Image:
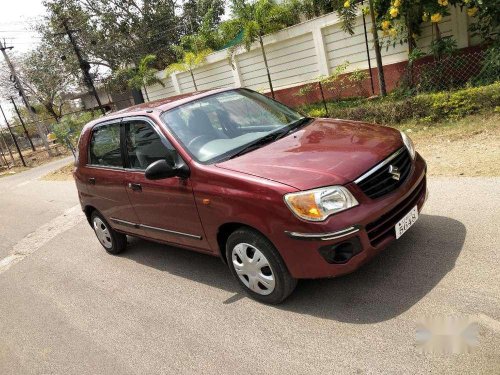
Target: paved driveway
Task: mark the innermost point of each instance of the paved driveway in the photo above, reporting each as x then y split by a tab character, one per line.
66	307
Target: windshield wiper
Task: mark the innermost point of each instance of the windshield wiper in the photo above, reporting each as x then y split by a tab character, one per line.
294	126
257	144
272	137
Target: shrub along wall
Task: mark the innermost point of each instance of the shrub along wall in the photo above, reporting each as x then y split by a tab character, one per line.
424	107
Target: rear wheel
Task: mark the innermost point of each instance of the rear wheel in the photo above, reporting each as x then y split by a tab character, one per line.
258	266
112	241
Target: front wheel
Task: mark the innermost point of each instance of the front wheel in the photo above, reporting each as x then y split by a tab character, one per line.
258	267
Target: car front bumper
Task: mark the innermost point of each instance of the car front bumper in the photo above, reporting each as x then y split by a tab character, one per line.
348	240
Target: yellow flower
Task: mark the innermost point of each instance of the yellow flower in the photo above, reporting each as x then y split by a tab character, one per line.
397	3
347	4
394	12
443	3
436	17
386	32
386	25
393	32
472	11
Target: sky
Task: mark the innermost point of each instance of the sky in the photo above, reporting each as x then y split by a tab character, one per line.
15	20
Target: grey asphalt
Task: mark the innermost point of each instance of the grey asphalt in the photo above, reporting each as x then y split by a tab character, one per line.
67	307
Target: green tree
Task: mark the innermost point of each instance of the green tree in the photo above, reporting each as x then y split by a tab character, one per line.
259	18
189	62
43	77
141	76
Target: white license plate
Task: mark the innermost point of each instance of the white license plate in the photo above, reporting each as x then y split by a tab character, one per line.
406	222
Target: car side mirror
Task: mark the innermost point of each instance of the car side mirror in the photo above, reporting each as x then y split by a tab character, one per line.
161	169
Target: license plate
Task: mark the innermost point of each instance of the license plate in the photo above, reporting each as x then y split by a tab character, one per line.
406	222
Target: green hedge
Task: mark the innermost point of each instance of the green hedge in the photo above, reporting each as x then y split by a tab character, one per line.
424	107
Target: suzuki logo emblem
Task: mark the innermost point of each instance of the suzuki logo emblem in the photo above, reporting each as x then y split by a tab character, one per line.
394	171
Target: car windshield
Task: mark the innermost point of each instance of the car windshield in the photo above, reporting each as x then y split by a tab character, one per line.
223	125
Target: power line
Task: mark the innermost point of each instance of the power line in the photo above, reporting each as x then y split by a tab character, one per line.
19	86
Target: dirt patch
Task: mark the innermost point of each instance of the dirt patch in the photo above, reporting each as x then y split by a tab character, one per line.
32	159
467	147
63	174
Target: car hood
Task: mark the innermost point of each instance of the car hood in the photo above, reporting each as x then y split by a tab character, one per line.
325	152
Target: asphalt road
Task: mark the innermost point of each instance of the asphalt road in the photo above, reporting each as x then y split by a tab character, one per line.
66	307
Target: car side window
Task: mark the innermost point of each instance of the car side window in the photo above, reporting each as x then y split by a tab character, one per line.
144	145
105	146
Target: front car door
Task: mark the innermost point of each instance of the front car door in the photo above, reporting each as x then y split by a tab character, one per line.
166	208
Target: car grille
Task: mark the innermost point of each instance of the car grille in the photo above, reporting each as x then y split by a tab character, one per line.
382	182
384	226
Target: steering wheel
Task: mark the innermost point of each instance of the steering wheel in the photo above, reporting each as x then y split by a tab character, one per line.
204	137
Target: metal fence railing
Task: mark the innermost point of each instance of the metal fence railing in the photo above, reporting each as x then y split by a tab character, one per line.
451	71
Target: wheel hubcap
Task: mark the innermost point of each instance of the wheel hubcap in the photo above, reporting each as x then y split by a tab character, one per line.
102	233
253	269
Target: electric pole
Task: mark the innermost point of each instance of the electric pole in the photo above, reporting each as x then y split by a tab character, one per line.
13	137
22	123
19	86
84	65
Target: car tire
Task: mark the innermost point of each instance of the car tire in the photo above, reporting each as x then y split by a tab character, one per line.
258	267
112	241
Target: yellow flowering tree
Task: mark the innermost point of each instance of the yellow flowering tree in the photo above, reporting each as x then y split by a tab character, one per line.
401	20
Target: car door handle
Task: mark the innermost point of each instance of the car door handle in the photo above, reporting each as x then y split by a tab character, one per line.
92	181
134	187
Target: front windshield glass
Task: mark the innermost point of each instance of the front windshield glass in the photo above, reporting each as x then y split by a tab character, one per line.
221	125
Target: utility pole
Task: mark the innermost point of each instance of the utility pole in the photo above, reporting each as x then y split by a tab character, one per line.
19	85
84	65
378	54
22	123
13	137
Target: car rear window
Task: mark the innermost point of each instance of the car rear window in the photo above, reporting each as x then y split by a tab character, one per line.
105	146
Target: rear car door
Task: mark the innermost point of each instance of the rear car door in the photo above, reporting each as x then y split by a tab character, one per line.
106	177
166	208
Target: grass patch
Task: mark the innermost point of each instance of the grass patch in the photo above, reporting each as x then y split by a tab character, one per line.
426	108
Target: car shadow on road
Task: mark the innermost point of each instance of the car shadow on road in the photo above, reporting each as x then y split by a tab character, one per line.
386	287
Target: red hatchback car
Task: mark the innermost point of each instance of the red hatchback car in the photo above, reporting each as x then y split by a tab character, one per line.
232	173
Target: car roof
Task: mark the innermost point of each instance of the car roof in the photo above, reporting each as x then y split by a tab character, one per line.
160	105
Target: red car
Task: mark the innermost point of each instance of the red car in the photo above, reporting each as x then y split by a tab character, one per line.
234	174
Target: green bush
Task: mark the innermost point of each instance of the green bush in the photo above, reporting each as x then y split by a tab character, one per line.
69	128
424	107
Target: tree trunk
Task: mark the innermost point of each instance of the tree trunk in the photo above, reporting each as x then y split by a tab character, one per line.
194	81
52	112
265	63
378	54
323	98
146	92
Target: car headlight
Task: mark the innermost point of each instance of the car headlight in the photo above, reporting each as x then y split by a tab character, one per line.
318	204
409	144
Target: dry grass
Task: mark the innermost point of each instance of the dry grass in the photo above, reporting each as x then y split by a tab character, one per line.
32	159
63	174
